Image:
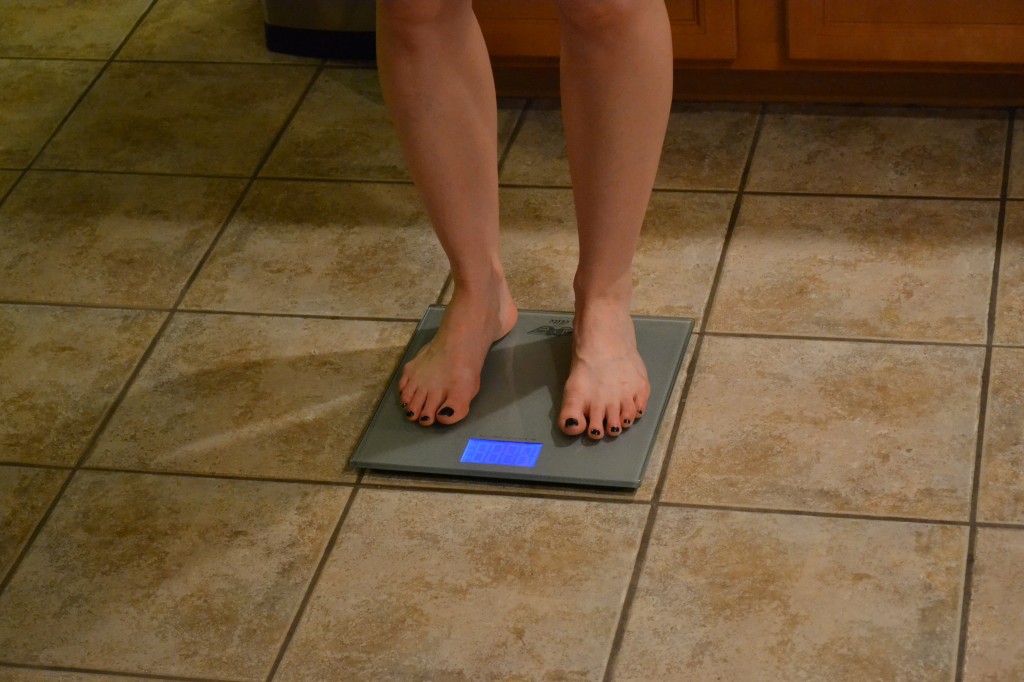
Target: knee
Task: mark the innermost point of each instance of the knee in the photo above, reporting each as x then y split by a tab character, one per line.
598	15
416	15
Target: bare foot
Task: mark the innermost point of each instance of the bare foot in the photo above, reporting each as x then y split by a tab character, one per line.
444	377
607	387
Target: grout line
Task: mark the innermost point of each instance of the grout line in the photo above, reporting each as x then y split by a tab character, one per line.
439	301
248	188
74	107
868	195
157	174
301	316
12	569
986	377
844	339
108	414
215	476
1004	525
513	136
851	516
89	306
300	612
645	538
204	62
101	671
35	465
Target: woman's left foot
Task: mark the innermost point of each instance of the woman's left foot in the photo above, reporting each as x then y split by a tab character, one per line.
607	387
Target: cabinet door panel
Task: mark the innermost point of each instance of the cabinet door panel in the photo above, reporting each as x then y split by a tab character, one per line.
701	29
937	31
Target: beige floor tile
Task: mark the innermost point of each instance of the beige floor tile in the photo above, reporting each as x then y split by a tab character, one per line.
37	96
830	426
178	118
1001	497
343	130
60	368
867	150
674	266
737	596
643	494
538	156
468	587
994	647
7	179
80	30
1016	187
869	268
24	496
1010	297
317	248
705	147
10	674
254	396
204	31
167	575
108	239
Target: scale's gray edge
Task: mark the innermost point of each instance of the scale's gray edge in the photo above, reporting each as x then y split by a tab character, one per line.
671	385
508	475
356	460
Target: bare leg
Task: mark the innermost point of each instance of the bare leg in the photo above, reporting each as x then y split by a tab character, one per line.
616	95
437	81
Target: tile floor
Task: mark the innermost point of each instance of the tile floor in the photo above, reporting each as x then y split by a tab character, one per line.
205	258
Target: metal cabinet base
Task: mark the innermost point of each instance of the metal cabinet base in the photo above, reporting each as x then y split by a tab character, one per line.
327	29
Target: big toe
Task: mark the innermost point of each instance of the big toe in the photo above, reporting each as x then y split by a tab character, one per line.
453	410
572	419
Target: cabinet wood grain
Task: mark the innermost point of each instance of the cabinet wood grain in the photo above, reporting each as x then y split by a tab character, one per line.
902	31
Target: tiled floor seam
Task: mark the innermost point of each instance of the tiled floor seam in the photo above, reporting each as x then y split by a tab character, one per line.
811	513
965	613
638	566
5	580
119	398
71	110
105	672
313	581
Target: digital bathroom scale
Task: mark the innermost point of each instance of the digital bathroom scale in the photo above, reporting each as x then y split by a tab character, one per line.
511	431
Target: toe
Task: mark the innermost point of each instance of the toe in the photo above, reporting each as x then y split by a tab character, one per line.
455	408
627	414
572	420
595	423
430	407
612	420
414	406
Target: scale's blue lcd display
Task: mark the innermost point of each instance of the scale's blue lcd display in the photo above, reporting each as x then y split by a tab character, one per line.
503	452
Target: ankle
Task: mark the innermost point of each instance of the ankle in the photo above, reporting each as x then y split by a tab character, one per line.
479	281
602	294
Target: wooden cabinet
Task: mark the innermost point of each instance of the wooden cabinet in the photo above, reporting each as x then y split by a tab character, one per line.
946	52
701	29
930	31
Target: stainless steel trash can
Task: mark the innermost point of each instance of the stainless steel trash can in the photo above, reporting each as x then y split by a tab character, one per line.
332	29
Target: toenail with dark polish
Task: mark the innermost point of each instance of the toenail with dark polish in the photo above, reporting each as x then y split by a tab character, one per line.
595	432
446	412
626	422
614	429
409	413
424	418
405	404
571	422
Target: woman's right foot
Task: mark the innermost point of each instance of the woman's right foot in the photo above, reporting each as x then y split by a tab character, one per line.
444	377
